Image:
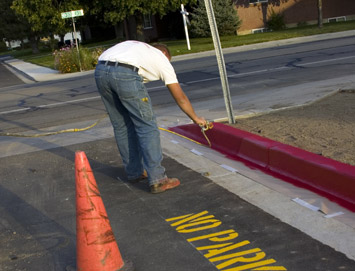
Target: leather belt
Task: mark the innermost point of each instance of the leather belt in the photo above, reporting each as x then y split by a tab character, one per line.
115	64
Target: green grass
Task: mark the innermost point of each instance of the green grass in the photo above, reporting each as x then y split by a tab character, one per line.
46	60
204	44
43	58
179	47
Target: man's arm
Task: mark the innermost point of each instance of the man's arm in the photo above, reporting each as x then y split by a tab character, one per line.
184	103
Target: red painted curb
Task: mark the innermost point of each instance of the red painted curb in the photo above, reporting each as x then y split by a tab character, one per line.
325	176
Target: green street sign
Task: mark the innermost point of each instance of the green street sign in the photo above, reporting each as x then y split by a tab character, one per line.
71	14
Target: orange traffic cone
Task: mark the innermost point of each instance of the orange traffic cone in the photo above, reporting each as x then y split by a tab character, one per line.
96	245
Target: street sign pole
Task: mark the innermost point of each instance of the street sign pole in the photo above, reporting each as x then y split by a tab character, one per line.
76	43
72	14
185	19
220	61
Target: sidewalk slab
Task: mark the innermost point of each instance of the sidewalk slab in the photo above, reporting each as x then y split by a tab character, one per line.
30	73
322	175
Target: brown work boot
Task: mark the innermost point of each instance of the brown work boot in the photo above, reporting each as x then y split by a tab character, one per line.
143	177
165	184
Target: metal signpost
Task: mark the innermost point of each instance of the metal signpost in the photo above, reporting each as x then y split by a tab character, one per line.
72	14
186	21
220	61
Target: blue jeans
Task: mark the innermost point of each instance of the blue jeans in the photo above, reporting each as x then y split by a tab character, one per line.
136	132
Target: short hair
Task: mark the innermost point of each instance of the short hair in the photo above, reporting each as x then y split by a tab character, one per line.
163	48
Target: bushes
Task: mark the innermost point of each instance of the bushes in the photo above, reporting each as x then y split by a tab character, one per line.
276	21
226	18
3	47
66	60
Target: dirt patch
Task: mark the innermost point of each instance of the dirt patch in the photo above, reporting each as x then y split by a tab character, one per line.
326	127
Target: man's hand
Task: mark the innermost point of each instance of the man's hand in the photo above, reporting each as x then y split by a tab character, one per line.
200	121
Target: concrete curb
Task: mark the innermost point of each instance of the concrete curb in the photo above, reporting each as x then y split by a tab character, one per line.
327	177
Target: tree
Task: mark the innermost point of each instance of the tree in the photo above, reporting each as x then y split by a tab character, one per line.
116	11
12	26
320	13
44	17
226	18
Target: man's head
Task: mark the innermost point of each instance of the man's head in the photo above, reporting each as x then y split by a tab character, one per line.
164	49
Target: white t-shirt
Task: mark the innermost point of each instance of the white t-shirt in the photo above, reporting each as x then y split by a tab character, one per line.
152	63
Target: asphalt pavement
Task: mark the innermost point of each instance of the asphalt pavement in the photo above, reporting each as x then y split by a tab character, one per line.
7	78
224	216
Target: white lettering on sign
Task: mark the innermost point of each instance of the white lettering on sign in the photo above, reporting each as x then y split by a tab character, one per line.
71	14
226	253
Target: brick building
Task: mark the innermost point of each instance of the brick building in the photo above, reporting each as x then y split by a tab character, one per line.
254	13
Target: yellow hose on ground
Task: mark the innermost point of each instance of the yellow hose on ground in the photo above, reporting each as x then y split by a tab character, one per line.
165	130
72	130
208	126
